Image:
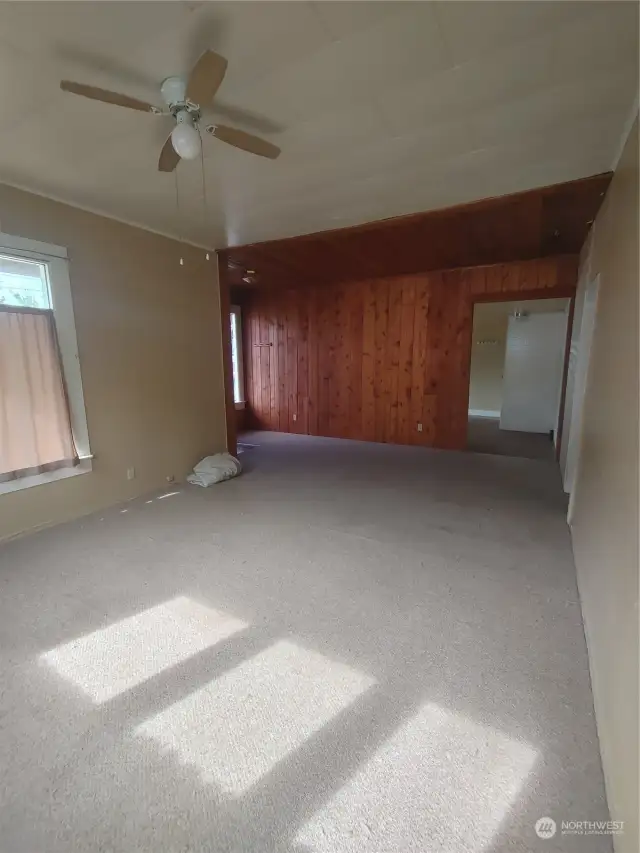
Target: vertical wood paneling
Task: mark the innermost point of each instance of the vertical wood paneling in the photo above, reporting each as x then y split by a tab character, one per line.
405	362
303	366
372	360
253	391
447	356
419	361
325	336
272	338
380	348
367	431
354	349
265	362
461	311
255	395
291	364
393	362
281	357
338	387
312	352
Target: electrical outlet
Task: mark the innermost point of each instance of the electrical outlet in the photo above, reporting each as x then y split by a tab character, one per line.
171	479
131	473
419	427
295	417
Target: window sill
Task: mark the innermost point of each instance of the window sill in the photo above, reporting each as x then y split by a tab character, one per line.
240	406
50	477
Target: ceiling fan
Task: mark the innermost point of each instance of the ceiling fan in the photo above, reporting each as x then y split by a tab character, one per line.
184	100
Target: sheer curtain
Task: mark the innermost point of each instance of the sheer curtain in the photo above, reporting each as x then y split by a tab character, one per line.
35	426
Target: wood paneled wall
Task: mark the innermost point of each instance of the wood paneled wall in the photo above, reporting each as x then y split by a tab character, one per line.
375	359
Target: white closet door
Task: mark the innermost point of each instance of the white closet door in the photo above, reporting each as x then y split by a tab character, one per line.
533	372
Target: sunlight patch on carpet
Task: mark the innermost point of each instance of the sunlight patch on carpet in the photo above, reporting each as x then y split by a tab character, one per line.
237	727
441	782
116	658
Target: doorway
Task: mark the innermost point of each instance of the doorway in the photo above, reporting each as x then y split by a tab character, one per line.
516	374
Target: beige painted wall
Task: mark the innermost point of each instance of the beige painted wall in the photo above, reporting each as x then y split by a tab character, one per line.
487	359
150	349
605	509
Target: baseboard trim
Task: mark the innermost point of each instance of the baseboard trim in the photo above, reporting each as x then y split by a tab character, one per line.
483	413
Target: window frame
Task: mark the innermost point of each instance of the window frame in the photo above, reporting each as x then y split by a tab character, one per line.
236	312
56	261
20	256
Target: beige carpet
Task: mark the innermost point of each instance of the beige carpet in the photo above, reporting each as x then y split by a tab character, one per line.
351	647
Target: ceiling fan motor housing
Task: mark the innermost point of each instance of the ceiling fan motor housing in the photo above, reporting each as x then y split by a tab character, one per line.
185	116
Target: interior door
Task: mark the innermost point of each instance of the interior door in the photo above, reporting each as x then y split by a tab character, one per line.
533	372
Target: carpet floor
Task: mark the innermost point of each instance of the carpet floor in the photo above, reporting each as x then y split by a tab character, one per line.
485	436
350	648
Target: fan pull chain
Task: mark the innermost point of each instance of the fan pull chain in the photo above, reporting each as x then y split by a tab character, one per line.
175	174
205	211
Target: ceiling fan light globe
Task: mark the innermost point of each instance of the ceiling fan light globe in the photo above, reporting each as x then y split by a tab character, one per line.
173	90
186	141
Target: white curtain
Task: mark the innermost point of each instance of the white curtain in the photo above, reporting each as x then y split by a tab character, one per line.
35	426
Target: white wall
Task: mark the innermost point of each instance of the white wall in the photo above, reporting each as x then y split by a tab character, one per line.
534	360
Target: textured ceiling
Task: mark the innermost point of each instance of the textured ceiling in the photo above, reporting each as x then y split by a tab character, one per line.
380	108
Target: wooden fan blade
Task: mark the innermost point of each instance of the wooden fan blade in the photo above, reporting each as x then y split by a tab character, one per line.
106	96
205	78
246	141
169	157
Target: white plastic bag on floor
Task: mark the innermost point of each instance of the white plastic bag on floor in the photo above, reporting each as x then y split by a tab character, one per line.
215	469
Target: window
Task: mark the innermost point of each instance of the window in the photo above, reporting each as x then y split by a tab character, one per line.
236	356
43	428
24	283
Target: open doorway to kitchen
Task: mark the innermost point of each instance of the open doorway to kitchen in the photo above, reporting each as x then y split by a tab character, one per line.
516	377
